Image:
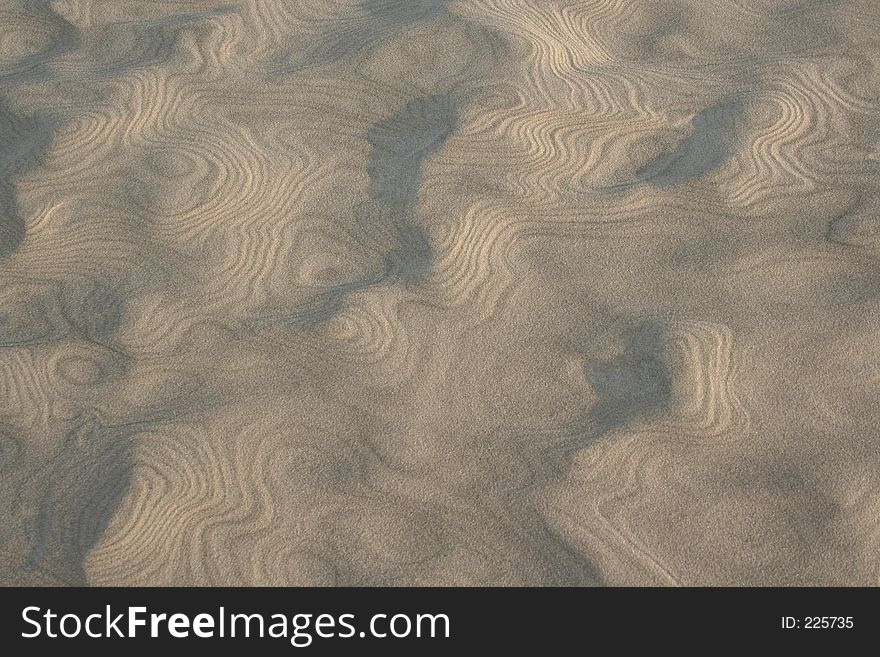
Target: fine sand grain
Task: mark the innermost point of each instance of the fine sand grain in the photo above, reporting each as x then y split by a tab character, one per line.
390	292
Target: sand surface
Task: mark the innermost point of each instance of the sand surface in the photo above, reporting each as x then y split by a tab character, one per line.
473	292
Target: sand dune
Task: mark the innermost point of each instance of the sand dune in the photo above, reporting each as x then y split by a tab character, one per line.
386	292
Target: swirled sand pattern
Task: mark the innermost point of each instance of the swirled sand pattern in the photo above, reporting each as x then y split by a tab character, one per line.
439	292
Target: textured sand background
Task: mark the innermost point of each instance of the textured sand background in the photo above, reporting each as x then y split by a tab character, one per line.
426	292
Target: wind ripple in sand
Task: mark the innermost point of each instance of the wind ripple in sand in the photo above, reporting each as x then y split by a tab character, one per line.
439	292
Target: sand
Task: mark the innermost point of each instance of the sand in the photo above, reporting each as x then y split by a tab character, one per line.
413	292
